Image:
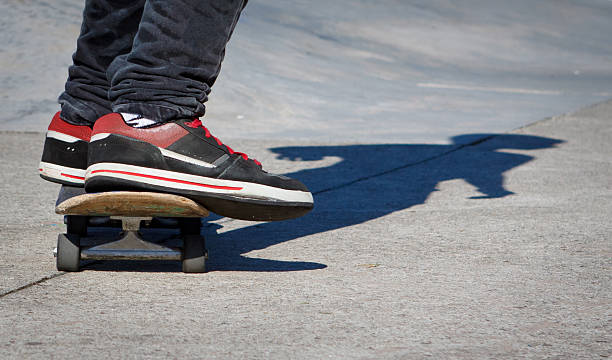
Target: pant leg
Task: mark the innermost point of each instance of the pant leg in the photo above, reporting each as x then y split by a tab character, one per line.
175	58
108	30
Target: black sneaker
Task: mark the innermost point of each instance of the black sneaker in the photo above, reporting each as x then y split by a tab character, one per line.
64	157
183	158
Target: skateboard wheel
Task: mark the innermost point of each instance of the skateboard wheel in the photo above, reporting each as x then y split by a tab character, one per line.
194	254
77	225
68	252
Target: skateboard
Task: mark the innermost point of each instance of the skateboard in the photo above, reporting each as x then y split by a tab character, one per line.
90	216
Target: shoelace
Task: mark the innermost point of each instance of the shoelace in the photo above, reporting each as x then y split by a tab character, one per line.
198	123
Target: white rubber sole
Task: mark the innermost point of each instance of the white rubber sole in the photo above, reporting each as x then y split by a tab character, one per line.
202	184
63	174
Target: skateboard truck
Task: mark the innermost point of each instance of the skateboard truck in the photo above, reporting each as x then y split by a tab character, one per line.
130	208
131	246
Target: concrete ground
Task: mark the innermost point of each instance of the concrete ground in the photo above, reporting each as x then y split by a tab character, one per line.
438	231
498	249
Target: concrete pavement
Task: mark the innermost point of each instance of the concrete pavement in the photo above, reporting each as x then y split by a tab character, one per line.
498	249
438	231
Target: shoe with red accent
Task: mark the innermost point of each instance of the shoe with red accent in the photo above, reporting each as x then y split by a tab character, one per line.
182	157
64	157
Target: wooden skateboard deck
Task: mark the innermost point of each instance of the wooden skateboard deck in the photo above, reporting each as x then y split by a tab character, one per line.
132	204
133	209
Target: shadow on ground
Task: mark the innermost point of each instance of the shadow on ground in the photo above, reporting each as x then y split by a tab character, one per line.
371	181
366	183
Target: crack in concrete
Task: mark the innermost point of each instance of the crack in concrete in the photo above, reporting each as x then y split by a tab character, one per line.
39	281
405	166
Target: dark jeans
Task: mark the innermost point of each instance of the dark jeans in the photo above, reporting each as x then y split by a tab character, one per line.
155	58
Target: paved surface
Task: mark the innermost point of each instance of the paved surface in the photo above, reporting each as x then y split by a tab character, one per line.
354	70
436	232
500	249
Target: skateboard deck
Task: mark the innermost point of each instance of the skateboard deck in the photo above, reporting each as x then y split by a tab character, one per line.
132	209
131	203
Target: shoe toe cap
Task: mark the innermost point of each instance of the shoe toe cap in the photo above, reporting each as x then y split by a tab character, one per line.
244	171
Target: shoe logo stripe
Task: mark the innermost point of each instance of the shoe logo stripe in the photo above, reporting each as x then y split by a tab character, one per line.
187	159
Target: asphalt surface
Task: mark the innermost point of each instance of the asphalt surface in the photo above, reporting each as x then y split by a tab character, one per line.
499	249
461	175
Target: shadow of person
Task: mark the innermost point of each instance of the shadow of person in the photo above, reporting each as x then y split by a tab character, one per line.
371	181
